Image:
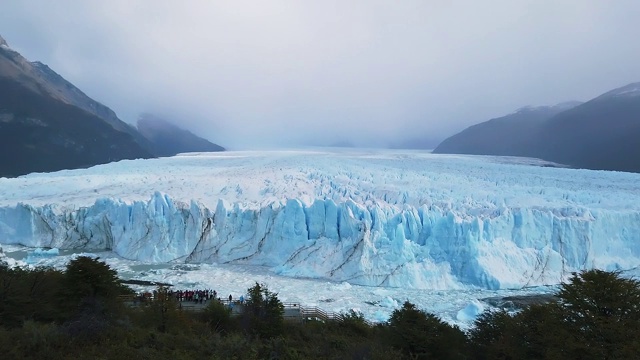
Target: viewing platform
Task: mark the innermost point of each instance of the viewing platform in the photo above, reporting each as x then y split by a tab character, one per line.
293	312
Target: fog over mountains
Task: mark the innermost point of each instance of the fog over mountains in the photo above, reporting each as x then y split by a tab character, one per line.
48	124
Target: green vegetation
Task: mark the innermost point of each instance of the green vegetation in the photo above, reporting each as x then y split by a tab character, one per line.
83	313
597	317
423	335
263	313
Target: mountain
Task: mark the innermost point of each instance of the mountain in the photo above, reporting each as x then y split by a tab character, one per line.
510	135
601	134
72	95
48	124
167	139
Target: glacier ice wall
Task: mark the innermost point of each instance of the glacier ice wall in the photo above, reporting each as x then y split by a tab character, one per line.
427	247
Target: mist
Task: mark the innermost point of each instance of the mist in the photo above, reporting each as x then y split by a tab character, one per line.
249	74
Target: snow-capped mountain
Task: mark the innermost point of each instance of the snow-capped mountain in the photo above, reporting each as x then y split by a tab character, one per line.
388	218
631	90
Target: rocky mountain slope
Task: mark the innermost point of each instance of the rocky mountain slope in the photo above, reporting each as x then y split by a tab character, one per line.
47	124
167	139
601	134
509	135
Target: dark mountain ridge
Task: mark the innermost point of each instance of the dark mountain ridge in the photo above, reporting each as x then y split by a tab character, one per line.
48	124
39	134
601	134
168	139
509	135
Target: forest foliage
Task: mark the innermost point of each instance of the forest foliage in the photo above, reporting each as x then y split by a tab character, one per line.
79	313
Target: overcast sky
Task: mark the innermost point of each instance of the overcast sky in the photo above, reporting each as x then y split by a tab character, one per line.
285	73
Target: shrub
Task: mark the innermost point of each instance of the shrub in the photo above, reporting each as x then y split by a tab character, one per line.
355	322
218	316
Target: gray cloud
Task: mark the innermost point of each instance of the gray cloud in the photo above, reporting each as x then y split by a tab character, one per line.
282	73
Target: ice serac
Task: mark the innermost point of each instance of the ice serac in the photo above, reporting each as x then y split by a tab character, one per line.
372	244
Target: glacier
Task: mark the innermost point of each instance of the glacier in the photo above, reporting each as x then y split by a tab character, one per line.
376	218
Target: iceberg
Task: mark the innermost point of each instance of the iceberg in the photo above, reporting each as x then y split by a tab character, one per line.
470	312
38	254
318	225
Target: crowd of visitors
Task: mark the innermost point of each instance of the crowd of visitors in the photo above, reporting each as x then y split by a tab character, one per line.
196	296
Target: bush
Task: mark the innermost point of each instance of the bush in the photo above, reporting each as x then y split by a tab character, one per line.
354	322
162	312
218	316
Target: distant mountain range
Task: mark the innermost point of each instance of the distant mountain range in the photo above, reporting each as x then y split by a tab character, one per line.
600	134
48	124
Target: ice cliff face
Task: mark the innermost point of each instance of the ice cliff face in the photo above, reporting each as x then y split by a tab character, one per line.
382	218
423	247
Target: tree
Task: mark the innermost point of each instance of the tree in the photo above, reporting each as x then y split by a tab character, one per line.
28	294
597	317
423	335
89	277
538	333
490	337
263	312
602	312
91	286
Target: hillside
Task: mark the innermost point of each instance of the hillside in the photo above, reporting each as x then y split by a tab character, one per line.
168	139
601	134
510	135
47	124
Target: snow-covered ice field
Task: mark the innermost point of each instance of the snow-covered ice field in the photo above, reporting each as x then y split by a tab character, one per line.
341	229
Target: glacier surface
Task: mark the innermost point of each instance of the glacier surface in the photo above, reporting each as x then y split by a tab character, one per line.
376	218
